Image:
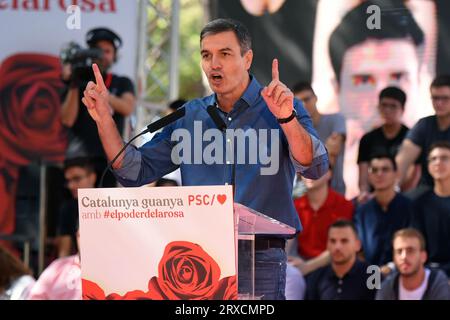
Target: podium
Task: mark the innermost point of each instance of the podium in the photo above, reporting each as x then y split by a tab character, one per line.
250	223
171	243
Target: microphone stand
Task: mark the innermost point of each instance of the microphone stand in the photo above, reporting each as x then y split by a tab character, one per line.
155	126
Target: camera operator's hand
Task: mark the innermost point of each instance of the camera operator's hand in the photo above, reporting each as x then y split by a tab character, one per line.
96	97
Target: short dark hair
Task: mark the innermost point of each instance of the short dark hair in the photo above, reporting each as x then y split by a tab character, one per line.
394	93
163	182
383	155
222	25
93	36
439	144
302	86
397	20
104	34
410	233
344	223
442	80
82	162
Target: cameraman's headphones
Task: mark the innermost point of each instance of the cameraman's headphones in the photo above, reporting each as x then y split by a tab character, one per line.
97	34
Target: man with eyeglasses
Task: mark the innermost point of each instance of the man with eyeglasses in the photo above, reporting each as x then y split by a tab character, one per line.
412	280
385	139
331	130
379	218
427	131
79	173
432	208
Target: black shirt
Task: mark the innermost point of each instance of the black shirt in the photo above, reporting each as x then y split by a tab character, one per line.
68	218
375	142
432	218
424	133
323	284
68	221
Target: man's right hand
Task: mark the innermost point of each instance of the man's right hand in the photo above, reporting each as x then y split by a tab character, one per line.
95	97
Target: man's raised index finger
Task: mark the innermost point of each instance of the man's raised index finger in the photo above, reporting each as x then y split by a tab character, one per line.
98	76
275	73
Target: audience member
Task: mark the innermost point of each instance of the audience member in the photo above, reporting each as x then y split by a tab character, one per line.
412	280
164	182
385	139
15	279
432	208
389	211
346	277
79	173
427	131
61	280
295	284
317	210
331	130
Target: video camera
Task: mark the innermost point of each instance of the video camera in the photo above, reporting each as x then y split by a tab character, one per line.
80	60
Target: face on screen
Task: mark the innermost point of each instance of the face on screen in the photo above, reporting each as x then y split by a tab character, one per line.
369	67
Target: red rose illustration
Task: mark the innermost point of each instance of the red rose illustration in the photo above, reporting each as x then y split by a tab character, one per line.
8	187
187	272
135	295
30	126
227	289
91	290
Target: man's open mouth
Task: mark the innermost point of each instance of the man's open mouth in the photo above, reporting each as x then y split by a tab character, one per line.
216	77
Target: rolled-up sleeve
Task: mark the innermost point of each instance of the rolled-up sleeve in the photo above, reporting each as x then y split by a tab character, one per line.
131	165
148	163
319	165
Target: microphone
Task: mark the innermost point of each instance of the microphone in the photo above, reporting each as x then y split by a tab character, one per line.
152	127
161	123
218	121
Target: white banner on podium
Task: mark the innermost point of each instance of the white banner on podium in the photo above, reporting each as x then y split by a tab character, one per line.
158	243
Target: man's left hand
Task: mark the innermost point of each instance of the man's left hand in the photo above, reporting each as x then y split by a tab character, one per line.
277	95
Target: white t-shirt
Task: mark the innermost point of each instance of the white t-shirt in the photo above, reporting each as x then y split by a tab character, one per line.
416	294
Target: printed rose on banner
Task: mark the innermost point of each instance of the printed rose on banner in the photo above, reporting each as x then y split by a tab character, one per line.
30	126
227	289
91	290
186	272
8	187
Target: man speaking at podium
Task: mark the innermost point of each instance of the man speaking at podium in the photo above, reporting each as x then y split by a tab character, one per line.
257	113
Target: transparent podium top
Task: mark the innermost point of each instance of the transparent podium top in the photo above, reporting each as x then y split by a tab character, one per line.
253	222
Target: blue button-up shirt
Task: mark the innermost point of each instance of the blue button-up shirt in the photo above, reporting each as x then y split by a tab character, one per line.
376	227
268	194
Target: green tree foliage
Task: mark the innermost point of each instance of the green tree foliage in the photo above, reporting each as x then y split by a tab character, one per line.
157	60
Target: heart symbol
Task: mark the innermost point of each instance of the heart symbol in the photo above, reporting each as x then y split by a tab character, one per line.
221	198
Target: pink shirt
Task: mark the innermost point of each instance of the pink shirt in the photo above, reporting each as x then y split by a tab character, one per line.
60	281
